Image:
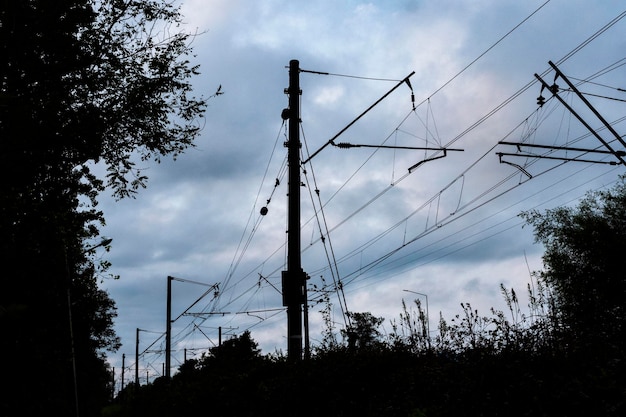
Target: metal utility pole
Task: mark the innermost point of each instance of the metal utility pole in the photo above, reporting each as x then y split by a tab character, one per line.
137	359
168	328
293	279
123	369
169	321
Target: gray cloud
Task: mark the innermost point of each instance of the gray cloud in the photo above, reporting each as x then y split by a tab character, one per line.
199	218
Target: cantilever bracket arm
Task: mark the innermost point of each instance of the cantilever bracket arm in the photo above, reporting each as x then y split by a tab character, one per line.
413	167
557	158
344	145
331	141
519	146
500	155
554	90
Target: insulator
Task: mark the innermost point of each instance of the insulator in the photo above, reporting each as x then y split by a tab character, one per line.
541	101
554	88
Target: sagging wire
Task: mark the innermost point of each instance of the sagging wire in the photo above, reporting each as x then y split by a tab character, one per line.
263	211
555	196
465	132
349	76
429	203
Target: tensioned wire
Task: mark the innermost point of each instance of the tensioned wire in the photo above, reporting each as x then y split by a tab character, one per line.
458	212
582	45
491	113
441	239
378	261
424	205
237	259
528	134
448	82
395	264
487	116
325	238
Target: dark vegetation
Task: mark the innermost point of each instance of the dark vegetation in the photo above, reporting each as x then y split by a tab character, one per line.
561	355
85	83
81	83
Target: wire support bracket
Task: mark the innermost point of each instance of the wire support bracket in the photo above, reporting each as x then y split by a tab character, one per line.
501	154
331	141
554	89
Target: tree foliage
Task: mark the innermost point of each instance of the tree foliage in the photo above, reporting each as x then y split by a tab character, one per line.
97	81
237	351
583	267
388	381
362	331
82	82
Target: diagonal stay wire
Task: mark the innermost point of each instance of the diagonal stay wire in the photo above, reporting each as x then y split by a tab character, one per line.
429	201
470	244
331	262
495	109
582	45
437	226
235	262
454	77
381	259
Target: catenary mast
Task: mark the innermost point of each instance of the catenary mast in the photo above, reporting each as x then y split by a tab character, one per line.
293	279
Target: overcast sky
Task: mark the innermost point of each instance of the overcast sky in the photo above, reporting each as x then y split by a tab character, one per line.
449	230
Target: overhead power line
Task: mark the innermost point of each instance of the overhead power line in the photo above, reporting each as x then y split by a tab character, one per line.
250	290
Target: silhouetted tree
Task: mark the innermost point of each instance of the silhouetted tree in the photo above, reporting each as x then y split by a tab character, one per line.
362	332
81	82
237	351
583	266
